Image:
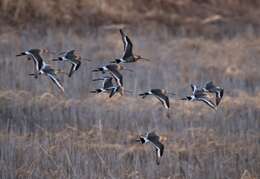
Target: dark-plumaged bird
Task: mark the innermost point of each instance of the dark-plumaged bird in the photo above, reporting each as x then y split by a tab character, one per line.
114	71
153	139
108	87
211	88
160	94
199	95
72	58
37	59
51	73
128	56
42	67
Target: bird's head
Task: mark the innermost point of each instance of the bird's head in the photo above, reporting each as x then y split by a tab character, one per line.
164	91
77	56
120	67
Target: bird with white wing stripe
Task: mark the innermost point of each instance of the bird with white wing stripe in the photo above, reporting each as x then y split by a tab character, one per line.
160	94
128	56
211	88
154	139
37	59
72	58
199	95
41	67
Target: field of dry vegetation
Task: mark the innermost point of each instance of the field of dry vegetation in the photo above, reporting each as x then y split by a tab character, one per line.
45	134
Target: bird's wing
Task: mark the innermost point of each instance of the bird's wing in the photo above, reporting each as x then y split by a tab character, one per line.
158	157
116	75
129	49
38	60
159	153
194	88
143	95
209	85
163	98
128	46
107	83
152	136
54	78
159	148
70	54
123	38
113	91
75	66
219	95
208	102
71	70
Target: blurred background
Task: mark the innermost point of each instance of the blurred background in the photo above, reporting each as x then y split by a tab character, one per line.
45	134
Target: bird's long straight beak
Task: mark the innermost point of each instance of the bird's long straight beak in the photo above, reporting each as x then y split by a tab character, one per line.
21	54
98	79
95	70
183	99
55	59
33	74
137	140
93	91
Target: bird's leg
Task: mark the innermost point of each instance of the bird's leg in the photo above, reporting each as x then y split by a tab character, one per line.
139	57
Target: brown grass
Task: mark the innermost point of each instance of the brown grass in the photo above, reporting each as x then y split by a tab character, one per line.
187	17
44	134
78	135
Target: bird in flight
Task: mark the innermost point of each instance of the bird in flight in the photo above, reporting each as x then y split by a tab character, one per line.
154	139
37	59
71	58
160	94
41	67
211	88
52	74
128	56
109	87
199	95
113	69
